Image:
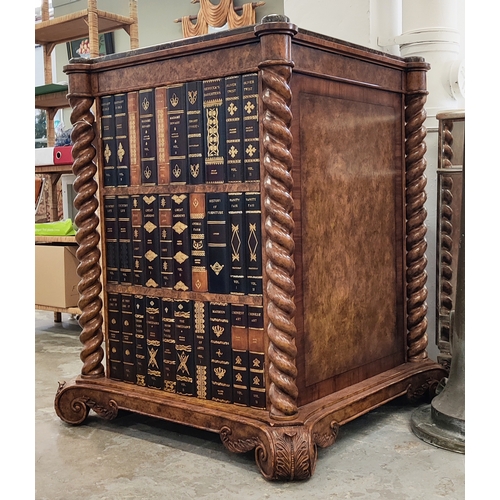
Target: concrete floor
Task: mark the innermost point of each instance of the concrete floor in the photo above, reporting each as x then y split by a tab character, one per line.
134	457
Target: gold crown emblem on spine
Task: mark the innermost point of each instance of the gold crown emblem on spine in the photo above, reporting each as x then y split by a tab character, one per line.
219	372
218	330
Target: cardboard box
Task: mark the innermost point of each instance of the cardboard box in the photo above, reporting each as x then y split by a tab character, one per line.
56	280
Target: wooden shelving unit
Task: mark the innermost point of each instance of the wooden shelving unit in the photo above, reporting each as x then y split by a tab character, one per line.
51	97
342	189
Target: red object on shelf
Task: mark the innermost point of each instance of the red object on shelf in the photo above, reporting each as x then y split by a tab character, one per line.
62	155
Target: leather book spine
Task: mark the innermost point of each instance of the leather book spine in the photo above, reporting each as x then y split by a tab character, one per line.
254	243
114	337
125	238
220	352
202	350
137	240
177	133
256	363
128	339
122	142
251	154
217	243
198	233
215	144
184	347
166	241
234	128
108	141
195	132
168	339
162	135
111	239
147	127
237	271
182	243
240	354
134	138
151	234
140	333
154	376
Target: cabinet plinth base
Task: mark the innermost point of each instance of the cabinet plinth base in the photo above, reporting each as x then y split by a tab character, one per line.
284	450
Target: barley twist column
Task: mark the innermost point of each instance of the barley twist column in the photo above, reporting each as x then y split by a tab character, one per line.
416	245
446	230
87	237
276	71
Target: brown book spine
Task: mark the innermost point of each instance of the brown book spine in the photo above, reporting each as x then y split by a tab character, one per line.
198	218
134	142
162	135
239	346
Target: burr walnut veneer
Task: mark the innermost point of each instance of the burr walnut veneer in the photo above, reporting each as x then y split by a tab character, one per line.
343	192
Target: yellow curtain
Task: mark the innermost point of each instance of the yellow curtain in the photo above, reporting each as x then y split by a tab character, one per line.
246	19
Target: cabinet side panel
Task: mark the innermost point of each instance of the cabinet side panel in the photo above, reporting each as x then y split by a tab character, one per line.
351	223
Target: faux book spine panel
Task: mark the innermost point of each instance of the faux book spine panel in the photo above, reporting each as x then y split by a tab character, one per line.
204	241
207	350
189	133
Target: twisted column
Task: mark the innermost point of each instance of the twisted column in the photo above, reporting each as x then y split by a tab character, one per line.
416	245
276	71
87	237
446	229
280	266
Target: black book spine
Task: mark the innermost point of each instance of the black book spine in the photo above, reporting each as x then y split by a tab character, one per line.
184	347
154	376
137	240
256	362
151	234
198	234
166	241
195	132
182	243
122	140
218	242
254	243
111	239
114	337
237	272
215	144
202	350
239	347
169	352
140	333
220	352
108	140
125	238
177	133
128	338
147	127
251	155
234	128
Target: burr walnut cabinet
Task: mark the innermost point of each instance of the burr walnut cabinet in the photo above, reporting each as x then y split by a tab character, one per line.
342	184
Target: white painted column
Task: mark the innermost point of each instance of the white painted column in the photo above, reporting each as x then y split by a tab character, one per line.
385	25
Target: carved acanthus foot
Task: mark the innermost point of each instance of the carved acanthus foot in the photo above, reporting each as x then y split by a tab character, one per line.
287	453
73	404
